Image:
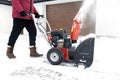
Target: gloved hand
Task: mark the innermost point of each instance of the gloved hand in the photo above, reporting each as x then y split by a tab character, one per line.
23	13
37	15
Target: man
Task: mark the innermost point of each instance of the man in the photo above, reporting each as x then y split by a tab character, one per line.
21	13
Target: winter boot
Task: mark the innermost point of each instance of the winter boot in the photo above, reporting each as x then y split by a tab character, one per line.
9	52
33	52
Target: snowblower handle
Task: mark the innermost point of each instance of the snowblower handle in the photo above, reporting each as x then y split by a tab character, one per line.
42	16
29	14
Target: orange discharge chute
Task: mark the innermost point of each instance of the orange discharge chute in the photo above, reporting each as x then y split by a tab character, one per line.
76	28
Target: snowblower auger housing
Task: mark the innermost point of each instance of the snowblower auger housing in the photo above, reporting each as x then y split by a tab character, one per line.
84	52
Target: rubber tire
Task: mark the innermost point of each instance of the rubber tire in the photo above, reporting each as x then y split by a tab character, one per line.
59	54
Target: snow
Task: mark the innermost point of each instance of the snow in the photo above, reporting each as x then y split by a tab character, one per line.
105	65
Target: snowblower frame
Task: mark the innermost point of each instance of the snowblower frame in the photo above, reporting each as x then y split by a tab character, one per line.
62	49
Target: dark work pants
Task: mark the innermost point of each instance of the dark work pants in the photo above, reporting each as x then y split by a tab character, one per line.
18	25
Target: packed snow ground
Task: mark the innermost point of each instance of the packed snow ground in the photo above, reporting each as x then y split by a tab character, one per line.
105	65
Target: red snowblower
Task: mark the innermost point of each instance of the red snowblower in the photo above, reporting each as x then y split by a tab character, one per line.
62	49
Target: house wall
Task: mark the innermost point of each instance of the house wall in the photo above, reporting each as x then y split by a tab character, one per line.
5	19
108	17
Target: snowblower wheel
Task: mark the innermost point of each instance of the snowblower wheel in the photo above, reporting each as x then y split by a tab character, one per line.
55	56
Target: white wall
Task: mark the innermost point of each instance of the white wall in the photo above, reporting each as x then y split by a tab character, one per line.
108	17
5	19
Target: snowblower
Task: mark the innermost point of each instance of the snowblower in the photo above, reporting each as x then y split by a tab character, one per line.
62	48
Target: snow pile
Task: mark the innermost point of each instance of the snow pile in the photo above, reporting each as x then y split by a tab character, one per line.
105	65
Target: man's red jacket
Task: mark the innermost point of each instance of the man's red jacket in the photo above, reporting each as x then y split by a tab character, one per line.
22	5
